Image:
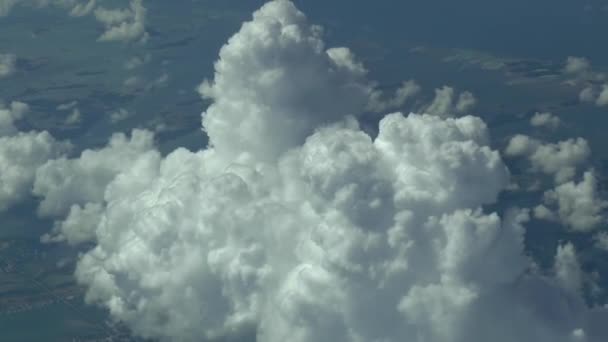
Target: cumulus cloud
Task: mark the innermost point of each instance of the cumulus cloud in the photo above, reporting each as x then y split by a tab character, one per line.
123	24
602	98
577	66
379	103
74	117
295	225
119	115
137	61
65	182
560	160
6	6
21	154
545	119
595	95
10	114
446	103
568	269
579	72
588	94
576	205
8	64
601	241
277	47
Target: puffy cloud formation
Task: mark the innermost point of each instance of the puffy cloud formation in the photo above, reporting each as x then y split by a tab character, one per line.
6	6
579	72
123	24
578	205
588	94
568	269
405	92
546	119
10	114
602	98
446	103
577	66
21	154
8	64
76	187
595	95
601	241
65	182
561	160
295	225
119	115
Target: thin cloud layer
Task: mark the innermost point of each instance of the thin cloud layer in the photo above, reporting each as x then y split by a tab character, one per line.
295	225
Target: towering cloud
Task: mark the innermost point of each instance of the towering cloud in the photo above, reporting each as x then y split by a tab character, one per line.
295	225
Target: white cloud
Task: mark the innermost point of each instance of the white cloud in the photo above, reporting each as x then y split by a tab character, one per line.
446	103
295	225
119	115
602	98
601	241
65	182
579	71
561	160
578	205
405	92
577	66
588	94
74	118
137	61
79	226
82	9
20	155
596	95
123	24
545	119
568	269
8	64
10	114
262	58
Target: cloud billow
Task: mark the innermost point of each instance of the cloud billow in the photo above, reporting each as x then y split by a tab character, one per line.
296	225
